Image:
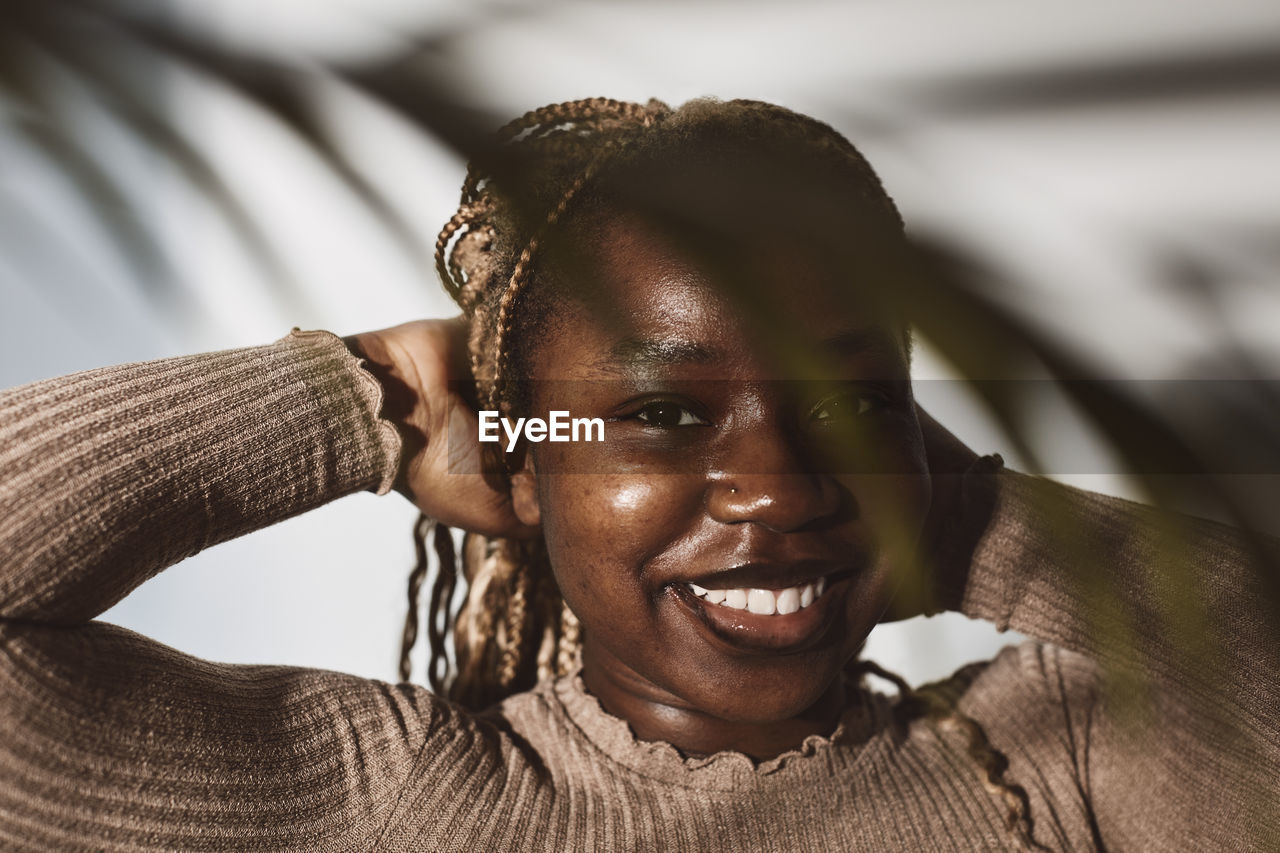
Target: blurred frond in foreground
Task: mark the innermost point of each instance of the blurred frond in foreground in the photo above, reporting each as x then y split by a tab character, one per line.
1212	447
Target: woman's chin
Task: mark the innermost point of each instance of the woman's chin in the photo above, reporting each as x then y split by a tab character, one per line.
785	692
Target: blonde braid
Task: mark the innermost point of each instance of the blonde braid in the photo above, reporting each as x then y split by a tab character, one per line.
448	274
519	278
504	577
416	577
476	632
585	110
439	619
937	704
548	601
570	641
514	628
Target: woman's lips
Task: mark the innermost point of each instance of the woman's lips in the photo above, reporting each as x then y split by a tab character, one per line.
764	602
776	621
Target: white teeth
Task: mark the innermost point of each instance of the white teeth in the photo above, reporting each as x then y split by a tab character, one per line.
788	601
765	602
761	601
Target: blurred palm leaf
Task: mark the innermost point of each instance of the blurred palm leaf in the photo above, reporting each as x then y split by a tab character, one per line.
103	47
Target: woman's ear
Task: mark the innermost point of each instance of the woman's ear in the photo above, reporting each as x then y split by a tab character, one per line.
524	492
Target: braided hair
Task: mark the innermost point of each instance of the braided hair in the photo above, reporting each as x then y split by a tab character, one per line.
513	628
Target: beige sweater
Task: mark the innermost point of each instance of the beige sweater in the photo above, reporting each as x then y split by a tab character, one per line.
110	741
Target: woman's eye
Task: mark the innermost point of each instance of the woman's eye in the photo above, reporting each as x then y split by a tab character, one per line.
665	414
846	406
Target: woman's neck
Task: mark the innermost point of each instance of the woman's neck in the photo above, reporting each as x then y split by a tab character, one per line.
657	715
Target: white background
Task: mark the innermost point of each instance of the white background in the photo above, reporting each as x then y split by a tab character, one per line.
1081	195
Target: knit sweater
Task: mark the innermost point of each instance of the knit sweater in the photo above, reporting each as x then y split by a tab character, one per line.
111	741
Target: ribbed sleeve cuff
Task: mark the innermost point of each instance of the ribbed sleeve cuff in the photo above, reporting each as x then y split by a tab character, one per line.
334	380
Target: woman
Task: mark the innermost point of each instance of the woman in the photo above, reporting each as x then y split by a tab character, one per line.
658	645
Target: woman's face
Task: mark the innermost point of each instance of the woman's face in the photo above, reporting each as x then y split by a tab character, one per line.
732	540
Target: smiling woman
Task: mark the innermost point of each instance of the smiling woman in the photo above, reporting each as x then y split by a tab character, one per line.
658	647
750	498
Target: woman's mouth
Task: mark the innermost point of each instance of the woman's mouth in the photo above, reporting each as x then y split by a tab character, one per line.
761	619
763	602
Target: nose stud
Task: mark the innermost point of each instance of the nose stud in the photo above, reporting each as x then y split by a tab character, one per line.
733	490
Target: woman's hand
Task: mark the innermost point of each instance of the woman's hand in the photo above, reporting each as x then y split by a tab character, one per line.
958	514
424	370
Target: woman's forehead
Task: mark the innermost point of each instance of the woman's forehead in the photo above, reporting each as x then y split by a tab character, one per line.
681	324
649	296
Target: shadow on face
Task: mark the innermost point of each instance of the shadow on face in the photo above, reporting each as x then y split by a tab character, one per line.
733	538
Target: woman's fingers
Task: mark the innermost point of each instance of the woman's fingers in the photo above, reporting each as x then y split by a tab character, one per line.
423	366
930	579
461	484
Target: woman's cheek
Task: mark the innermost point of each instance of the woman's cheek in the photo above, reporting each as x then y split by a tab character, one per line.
893	507
629	499
897	500
613	519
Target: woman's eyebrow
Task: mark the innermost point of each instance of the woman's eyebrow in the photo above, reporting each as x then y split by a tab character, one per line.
874	340
636	352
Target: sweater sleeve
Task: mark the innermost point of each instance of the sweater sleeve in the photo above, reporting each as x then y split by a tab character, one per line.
111	741
110	475
1175	612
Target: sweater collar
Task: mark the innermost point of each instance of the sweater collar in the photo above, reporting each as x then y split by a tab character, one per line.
724	770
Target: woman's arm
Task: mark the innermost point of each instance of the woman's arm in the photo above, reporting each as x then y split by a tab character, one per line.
1177	733
113	474
110	475
1158	594
1175	601
109	740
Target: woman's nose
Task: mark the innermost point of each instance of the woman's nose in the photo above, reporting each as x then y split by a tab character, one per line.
766	481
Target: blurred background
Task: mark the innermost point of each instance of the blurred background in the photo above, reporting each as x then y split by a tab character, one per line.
178	176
